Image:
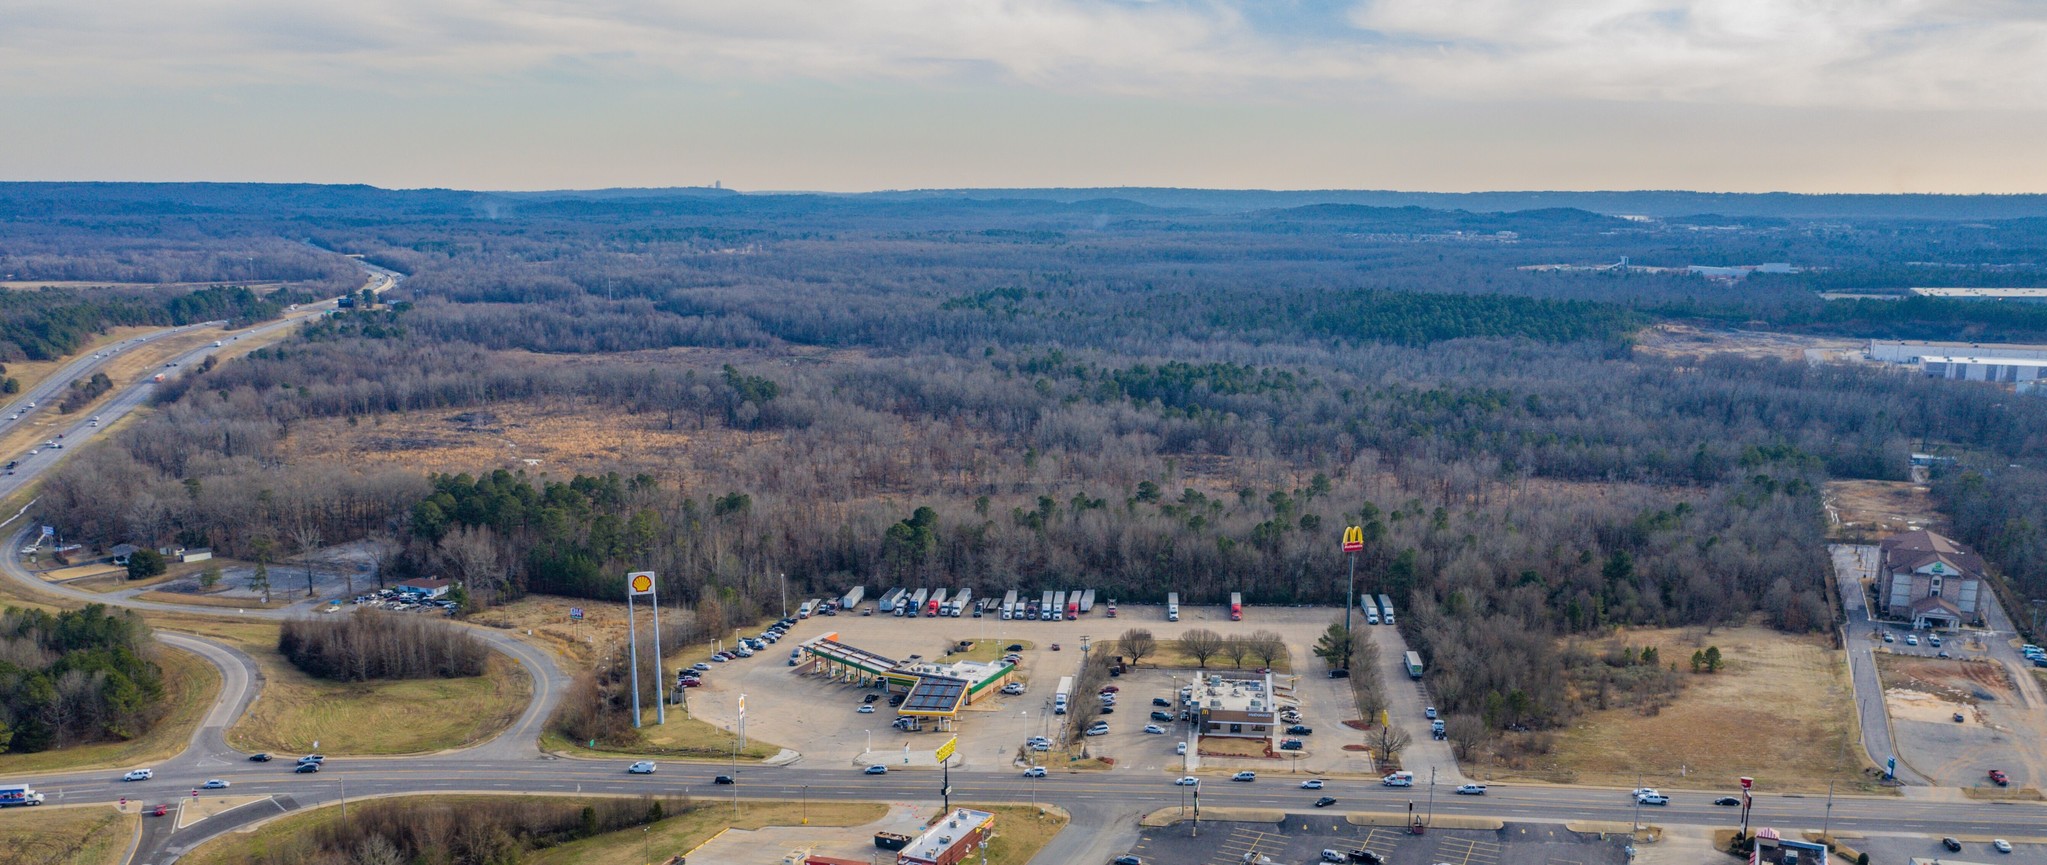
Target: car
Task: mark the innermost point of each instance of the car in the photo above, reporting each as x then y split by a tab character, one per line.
720	657
1339	673
1312	785
1959	718
1035	772
1155	729
139	775
1888	638
1325	801
1471	789
1942	654
870	698
1110	689
896	699
1727	800
867	709
259	758
1951	844
1161	701
1055	647
1180	749
644	767
722	779
2001	845
306	769
313	758
1126	860
1162	716
876	769
214	784
1099	729
1187	781
1041	746
1108	710
1911	639
1014	647
1429	713
1244	776
1299	730
1998	777
1644	791
1013	688
1291	745
1653	799
1038	740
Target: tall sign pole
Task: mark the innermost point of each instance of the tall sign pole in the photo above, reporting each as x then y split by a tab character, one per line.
638	583
1353	543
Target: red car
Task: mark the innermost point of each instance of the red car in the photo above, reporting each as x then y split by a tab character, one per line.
162	810
1111	689
1997	777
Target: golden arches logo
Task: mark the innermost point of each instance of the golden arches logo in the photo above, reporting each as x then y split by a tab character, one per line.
1353	539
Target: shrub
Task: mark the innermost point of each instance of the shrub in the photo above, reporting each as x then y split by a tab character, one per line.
146	563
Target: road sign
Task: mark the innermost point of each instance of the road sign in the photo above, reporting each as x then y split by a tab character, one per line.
49	530
1891	768
946	750
1747	783
640	582
1353	539
575	614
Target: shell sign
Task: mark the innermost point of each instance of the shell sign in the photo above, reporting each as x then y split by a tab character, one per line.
641	582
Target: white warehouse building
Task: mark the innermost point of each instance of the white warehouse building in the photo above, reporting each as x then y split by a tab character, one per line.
1998	369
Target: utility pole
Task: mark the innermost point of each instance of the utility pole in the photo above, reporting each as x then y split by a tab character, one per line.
1828	821
785	595
1432	795
1637	827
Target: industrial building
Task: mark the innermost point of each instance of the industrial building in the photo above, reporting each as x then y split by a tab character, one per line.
2013	295
951	840
1996	369
1240	706
1911	351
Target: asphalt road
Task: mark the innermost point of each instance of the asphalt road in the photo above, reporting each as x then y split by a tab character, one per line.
1104	805
1852	563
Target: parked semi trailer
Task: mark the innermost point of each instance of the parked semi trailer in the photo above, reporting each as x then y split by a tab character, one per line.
1385	610
1009	605
1087	601
960	602
1414	665
1172	606
1236	606
1370	608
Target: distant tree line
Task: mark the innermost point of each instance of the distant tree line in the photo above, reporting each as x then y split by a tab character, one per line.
462	831
75	677
374	645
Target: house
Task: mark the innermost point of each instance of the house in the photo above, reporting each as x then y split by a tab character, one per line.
425	589
1930	580
122	552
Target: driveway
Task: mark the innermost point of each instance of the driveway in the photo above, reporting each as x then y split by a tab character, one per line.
1854	563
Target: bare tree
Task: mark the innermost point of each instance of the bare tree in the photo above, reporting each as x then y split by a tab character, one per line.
1201	644
1268	646
1136	643
1389	741
1466	733
306	538
473	554
1237	647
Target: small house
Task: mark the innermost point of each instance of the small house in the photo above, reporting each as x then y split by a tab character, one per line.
122	552
424	589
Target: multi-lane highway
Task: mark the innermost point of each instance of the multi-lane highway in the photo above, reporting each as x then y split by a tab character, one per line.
1104	805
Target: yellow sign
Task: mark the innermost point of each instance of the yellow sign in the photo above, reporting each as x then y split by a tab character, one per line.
641	582
1353	538
946	750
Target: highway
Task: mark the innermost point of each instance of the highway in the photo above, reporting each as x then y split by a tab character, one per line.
1104	805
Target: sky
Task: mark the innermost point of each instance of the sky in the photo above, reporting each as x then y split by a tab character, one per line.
855	95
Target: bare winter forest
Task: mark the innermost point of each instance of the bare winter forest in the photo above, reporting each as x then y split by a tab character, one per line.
1017	392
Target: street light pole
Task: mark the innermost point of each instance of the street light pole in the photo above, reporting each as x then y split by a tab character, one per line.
1432	795
1828	822
1350	603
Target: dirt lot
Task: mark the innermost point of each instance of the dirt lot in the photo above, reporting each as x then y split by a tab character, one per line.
1874	509
1781	711
1997	730
1681	340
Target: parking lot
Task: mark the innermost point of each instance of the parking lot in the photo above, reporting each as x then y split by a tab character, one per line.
823	716
1301	838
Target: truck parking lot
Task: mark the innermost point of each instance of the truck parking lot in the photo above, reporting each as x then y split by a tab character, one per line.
1301	838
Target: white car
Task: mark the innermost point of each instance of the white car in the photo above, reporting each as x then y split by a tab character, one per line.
1312	785
215	784
1035	772
1644	791
644	767
1155	729
1187	781
2002	845
867	709
1102	730
1180	749
139	775
1471	790
1653	799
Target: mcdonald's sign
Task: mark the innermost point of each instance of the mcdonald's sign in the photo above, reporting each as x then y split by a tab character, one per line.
1353	539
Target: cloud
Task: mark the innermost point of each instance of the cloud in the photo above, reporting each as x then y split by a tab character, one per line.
1870	54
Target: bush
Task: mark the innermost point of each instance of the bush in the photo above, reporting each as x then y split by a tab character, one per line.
378	645
146	563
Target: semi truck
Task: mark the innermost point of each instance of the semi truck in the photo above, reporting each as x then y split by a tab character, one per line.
1045	607
19	794
960	602
916	603
1370	608
853	598
935	603
1009	605
806	609
1073	604
1063	696
1236	606
891	599
1172	606
1087	601
1414	665
1385	610
1058	606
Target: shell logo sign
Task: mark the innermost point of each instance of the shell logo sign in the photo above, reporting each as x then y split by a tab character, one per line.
641	582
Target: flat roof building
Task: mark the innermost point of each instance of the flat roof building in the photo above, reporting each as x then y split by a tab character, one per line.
2008	370
951	840
2020	295
1911	351
1241	706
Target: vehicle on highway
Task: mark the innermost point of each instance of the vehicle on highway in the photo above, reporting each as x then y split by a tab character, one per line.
161	810
1653	799
1643	791
306	768
876	769
1244	776
259	758
313	758
722	779
643	767
2000	845
1187	781
1035	772
1312	785
1951	844
214	784
1325	801
139	775
1471	789
1398	779
1727	800
1155	729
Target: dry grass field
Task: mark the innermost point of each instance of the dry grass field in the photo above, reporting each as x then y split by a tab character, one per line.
1682	340
403	717
190	685
52	835
1873	509
1781	710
